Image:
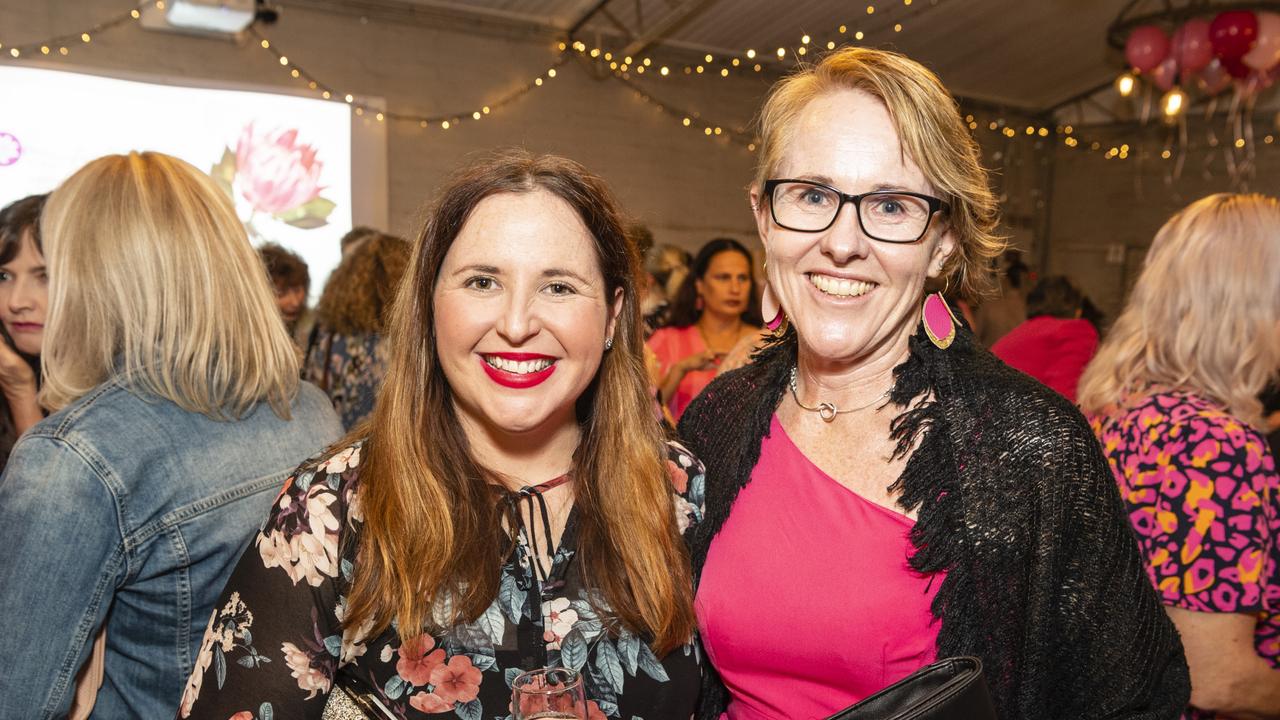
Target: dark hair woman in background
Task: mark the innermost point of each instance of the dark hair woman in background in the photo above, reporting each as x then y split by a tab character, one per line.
24	297
716	307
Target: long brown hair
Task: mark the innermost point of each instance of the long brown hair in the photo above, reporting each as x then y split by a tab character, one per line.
432	529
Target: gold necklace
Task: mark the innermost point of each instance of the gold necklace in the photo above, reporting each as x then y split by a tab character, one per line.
828	411
706	339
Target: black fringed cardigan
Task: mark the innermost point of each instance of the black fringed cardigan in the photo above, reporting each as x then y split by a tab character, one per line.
1015	502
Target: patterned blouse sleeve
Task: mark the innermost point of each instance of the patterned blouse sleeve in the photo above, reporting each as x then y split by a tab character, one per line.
1215	509
688	480
274	640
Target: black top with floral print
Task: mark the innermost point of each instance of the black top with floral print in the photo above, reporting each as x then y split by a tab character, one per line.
275	645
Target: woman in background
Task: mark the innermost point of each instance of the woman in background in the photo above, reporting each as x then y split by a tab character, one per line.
291	280
347	352
1173	396
177	414
1054	343
24	296
717	306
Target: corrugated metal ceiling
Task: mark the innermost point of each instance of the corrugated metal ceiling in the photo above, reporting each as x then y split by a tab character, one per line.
1029	54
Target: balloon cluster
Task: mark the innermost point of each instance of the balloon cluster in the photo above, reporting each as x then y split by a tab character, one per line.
1237	45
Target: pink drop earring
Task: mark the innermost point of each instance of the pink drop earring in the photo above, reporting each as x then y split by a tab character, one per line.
939	322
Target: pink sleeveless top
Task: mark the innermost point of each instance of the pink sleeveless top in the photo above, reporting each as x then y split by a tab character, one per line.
806	603
671	345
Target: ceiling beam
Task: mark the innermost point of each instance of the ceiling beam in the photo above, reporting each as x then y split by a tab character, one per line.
678	13
585	18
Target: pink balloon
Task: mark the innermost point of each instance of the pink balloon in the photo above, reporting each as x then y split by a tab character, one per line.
1191	46
1233	33
1214	78
1165	74
1266	49
1146	47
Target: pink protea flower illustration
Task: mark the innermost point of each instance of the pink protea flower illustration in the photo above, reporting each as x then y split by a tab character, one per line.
274	171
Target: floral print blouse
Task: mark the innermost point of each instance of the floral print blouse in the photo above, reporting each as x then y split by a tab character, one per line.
1204	500
349	369
276	644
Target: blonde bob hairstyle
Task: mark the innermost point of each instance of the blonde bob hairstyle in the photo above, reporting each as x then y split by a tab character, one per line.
932	134
1204	315
152	281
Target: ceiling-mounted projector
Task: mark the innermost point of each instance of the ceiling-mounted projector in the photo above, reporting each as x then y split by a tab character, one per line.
201	16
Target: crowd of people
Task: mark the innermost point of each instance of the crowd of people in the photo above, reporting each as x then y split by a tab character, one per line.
711	487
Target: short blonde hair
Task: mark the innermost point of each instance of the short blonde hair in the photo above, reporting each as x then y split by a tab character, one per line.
1204	313
152	280
932	133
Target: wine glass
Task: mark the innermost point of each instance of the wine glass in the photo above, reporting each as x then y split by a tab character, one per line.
548	693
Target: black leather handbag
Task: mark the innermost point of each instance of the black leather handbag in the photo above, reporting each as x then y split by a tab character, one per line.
950	689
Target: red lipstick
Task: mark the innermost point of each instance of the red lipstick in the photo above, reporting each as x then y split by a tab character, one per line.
517	380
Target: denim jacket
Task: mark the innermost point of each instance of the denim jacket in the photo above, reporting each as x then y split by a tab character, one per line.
124	509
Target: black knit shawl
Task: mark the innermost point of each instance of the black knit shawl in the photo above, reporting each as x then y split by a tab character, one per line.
1015	502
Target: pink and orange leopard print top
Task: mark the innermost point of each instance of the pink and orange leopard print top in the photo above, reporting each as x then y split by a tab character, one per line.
1202	494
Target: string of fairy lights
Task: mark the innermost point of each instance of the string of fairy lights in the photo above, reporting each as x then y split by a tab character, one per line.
1119	149
61	45
746	60
751	60
444	121
627	70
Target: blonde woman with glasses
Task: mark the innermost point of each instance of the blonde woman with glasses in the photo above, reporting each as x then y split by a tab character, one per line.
1173	395
881	490
177	415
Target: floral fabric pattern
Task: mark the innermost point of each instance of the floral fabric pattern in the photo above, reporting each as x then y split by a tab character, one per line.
1204	500
277	644
349	369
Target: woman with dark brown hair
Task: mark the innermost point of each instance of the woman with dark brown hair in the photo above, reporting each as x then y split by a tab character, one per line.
510	506
347	350
717	308
24	296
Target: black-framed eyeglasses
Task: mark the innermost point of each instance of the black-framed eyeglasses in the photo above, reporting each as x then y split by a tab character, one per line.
895	216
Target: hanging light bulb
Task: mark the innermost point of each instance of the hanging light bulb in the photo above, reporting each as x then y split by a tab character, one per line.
1124	84
1173	102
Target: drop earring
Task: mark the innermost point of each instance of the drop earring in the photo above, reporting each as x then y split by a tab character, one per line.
939	323
771	309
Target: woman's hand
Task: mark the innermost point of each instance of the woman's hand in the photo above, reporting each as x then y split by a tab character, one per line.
705	360
18	382
741	353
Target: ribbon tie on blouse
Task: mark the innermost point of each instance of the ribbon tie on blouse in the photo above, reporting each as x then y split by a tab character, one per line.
531	496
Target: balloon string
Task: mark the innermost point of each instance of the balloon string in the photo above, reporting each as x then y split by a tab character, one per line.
1182	147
